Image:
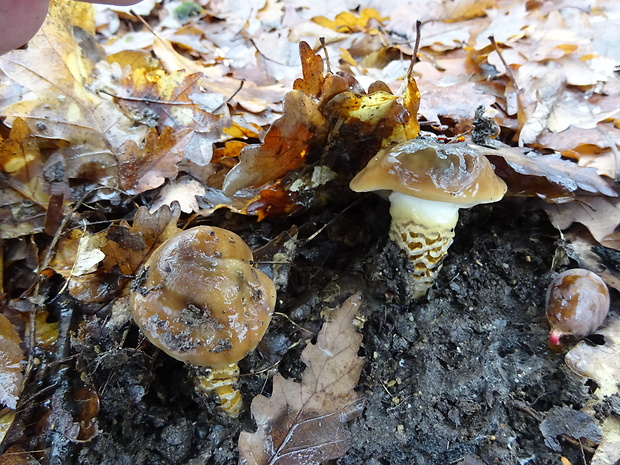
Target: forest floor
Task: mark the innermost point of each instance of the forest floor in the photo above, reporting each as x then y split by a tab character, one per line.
461	376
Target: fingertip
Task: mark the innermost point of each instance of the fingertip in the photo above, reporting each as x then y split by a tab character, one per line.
22	23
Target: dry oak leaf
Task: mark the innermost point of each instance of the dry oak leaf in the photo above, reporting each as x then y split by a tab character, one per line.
322	109
545	176
601	215
11	358
58	101
367	21
303	423
153	97
24	193
298	132
142	169
128	247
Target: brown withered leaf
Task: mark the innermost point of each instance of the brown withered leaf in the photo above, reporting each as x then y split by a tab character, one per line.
545	176
290	139
312	68
156	98
11	357
601	215
304	422
323	122
128	247
142	169
25	193
97	265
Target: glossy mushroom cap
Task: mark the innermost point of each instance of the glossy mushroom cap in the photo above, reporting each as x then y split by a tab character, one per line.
429	170
200	300
577	303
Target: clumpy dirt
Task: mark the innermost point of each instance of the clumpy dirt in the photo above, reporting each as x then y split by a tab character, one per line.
462	376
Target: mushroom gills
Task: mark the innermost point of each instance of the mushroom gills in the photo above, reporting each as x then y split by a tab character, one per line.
221	380
424	230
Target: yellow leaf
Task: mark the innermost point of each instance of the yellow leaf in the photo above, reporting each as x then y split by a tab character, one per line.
347	22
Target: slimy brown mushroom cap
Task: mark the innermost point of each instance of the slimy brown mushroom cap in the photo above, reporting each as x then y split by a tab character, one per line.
200	299
428	170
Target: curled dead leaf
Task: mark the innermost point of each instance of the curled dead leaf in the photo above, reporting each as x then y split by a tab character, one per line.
304	422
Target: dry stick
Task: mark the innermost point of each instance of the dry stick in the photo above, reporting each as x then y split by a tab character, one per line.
145	100
416	48
262	54
509	73
232	96
324	47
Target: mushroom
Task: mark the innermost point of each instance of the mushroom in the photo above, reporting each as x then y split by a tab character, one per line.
577	303
427	182
200	299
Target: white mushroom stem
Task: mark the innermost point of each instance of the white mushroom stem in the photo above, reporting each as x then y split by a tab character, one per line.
423	229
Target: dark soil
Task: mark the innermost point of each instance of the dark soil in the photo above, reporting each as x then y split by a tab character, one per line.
461	376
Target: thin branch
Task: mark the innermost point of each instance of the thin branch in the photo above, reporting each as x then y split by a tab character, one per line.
509	73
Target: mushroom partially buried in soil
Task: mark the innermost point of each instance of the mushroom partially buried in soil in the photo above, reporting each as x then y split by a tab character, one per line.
200	299
427	182
577	303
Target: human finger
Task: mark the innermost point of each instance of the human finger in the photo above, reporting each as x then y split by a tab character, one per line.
19	21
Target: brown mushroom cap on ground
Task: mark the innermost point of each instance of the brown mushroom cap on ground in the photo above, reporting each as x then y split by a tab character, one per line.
429	170
200	299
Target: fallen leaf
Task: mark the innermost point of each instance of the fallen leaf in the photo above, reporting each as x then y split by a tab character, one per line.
304	422
25	193
367	21
546	176
600	363
565	421
11	358
142	169
62	104
290	139
601	215
127	248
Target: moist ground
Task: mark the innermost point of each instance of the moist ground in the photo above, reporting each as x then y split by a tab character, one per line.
461	376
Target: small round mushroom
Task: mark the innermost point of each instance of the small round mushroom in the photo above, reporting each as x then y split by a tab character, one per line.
200	299
577	303
427	182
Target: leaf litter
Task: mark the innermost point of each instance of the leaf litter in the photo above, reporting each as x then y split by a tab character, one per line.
196	116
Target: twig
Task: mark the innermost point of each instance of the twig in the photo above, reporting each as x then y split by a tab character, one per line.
232	96
416	48
145	100
511	76
262	54
324	47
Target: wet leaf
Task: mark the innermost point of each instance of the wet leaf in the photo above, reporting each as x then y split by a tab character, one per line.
25	194
573	423
546	176
304	422
11	358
